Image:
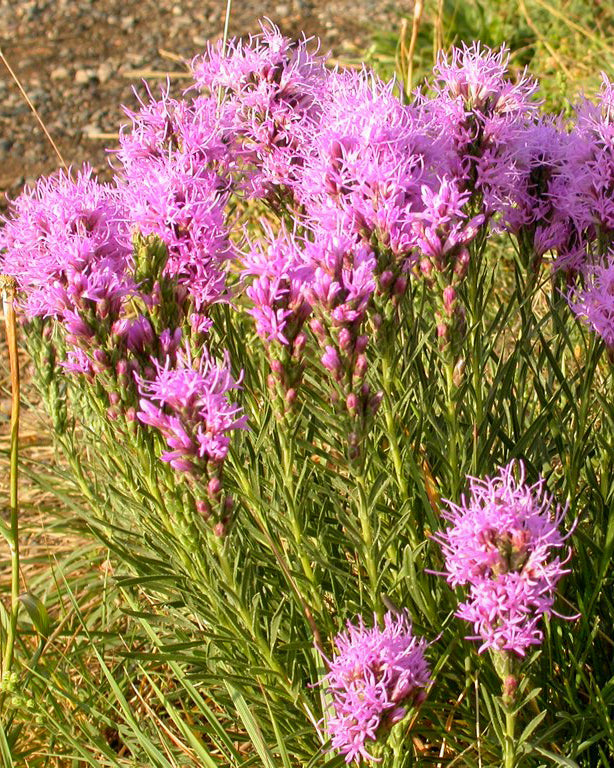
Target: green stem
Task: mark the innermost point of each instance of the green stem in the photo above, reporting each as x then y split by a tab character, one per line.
391	432
393	440
369	544
476	315
287	454
8	292
248	622
510	727
452	426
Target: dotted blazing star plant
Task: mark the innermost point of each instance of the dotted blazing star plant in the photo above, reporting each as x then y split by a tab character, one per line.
302	314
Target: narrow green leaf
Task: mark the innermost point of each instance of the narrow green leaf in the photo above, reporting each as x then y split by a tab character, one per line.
251	726
530	728
37	613
557	759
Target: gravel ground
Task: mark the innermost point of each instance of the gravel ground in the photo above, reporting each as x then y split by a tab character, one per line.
78	61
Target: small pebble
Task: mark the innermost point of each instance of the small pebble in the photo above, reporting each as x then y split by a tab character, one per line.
84	76
105	72
59	73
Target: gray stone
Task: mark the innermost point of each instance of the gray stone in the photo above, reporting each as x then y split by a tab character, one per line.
84	76
105	72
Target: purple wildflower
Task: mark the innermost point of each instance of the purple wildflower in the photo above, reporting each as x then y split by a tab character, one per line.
67	242
280	271
366	163
280	308
587	192
500	544
482	115
189	404
595	301
175	186
272	88
376	676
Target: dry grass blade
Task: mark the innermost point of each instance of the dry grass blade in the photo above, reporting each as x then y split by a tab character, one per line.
34	110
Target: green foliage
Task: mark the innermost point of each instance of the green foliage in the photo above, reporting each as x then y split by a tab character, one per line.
157	642
201	651
564	43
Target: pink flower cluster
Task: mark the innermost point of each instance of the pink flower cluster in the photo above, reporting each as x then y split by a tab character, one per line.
363	194
500	544
594	302
376	676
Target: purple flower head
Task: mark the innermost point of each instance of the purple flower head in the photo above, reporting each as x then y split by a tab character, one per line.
374	679
167	126
77	362
366	163
589	191
180	201
189	404
477	75
500	544
67	242
595	301
175	186
343	278
136	332
443	229
543	150
272	92
280	270
481	116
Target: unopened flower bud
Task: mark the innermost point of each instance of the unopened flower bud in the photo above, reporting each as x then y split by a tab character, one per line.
400	286
386	279
449	299
375	402
351	402
330	360
300	341
203	508
361	366
353	450
317	327
112	414
462	263
291	396
361	343
214	486
277	367
345	338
